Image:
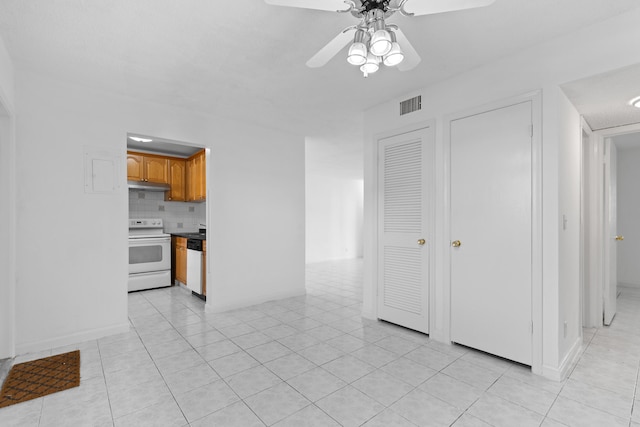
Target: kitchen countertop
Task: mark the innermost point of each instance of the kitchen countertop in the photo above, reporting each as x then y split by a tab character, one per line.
192	235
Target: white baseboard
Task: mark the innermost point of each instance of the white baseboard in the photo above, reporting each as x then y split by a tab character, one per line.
34	346
369	315
629	285
213	305
560	373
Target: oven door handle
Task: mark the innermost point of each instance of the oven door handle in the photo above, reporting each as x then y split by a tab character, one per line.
149	240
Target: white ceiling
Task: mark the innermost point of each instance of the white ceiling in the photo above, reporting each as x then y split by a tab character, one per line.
627	141
603	99
245	59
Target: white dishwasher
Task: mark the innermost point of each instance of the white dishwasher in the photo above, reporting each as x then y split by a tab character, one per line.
194	265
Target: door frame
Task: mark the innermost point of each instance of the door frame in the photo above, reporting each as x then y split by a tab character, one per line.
535	98
8	230
591	244
608	244
430	125
601	220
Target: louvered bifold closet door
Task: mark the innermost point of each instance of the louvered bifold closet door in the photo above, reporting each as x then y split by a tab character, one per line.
403	259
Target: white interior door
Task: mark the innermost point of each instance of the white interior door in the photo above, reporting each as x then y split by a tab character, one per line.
491	229
611	254
404	241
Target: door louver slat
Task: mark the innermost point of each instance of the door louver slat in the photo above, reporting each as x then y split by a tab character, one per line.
403	188
403	287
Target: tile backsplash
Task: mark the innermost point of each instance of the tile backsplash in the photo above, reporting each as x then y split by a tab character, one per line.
177	216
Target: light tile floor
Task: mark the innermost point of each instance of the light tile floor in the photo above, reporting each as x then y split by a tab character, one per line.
313	361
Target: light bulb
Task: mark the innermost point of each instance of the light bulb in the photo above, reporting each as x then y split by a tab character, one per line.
380	43
357	54
371	66
395	55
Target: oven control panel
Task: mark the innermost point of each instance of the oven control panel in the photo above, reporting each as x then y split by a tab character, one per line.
145	223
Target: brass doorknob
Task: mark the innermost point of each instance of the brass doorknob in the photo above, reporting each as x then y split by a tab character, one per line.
456	243
421	242
619	238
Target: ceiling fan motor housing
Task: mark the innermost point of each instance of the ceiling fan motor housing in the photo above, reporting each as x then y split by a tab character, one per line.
375	4
369	5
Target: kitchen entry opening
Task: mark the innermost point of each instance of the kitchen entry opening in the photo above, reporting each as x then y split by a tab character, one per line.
168	211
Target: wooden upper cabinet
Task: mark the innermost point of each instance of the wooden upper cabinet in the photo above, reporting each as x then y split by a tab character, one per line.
186	177
197	177
147	167
156	169
134	167
177	180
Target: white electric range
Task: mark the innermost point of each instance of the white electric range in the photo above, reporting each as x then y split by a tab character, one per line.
149	254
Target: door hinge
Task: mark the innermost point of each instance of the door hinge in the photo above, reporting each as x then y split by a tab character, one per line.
532	328
531	130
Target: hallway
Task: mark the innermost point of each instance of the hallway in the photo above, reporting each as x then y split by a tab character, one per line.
313	361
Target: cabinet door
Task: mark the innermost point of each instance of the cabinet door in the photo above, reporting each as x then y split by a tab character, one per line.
156	169
189	188
198	175
177	180
202	172
134	167
181	260
204	268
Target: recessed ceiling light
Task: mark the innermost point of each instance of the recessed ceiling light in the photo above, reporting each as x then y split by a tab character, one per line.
138	139
635	102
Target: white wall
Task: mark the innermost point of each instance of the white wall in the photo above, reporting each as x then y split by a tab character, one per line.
7	207
629	215
256	191
569	160
602	47
333	218
72	251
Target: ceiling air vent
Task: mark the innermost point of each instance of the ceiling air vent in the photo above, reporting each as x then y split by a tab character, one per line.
411	105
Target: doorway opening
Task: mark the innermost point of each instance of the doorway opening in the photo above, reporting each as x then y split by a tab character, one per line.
168	200
609	212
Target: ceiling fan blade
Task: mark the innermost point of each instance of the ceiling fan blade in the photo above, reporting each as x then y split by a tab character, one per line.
331	49
411	57
428	7
330	5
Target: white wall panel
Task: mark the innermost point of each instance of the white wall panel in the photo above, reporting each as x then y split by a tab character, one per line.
72	250
7	206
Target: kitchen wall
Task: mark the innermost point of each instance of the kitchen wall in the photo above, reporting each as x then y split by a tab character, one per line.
176	216
72	253
629	215
7	206
602	47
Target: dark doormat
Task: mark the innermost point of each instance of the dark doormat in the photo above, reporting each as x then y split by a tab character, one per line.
30	380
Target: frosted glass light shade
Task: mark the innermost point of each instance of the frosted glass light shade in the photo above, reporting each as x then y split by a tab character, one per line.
357	54
380	43
395	55
372	64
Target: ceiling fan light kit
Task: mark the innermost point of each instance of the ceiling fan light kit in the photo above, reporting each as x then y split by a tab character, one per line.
395	55
376	41
358	49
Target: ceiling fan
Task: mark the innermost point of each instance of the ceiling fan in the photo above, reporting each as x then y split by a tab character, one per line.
375	41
